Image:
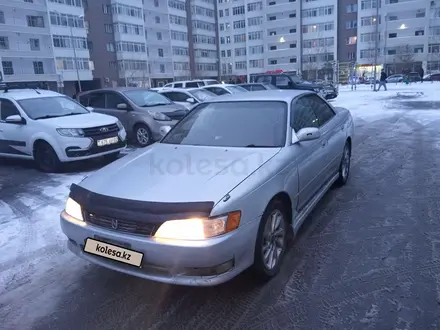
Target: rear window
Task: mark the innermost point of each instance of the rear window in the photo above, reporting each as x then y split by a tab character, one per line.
194	84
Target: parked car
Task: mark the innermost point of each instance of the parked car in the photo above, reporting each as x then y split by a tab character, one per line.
188	97
222	89
218	194
293	81
52	129
142	111
432	77
414	77
189	84
395	78
252	87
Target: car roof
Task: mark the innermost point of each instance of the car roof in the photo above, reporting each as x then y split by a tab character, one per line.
179	89
220	85
24	94
266	95
116	89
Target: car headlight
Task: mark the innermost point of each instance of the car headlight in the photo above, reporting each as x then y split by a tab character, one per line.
73	209
159	116
199	228
70	132
120	126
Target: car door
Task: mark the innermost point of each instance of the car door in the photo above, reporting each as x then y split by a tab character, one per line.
14	137
332	134
311	154
112	99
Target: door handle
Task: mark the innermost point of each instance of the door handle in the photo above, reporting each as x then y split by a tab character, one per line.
324	143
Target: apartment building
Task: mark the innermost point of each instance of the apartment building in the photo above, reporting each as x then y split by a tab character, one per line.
257	36
407	35
319	44
37	39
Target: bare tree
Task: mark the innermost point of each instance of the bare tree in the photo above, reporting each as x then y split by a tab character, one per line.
405	54
317	62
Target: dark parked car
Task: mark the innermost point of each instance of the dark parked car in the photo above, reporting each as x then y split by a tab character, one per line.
293	81
414	77
251	87
432	77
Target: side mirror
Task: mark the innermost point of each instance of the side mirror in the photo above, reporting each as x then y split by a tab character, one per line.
190	100
308	134
15	119
122	106
164	130
90	108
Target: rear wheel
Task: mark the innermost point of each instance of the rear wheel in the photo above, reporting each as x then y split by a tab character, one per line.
344	167
46	158
271	241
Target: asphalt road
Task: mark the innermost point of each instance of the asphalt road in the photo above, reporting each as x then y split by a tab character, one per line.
367	258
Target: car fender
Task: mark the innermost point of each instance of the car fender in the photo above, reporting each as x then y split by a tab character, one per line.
41	135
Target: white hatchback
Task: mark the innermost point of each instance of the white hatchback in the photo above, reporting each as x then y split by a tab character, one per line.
51	129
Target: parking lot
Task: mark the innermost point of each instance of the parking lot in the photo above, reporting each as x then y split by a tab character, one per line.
367	258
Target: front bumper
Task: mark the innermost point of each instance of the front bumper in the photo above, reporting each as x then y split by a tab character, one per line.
194	263
81	148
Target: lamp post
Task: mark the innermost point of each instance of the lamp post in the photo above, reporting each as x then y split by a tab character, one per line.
74	55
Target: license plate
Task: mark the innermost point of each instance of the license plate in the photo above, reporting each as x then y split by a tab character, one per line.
113	252
108	141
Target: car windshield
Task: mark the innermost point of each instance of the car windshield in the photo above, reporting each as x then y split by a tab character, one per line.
146	98
296	79
51	107
252	124
202	94
236	89
211	82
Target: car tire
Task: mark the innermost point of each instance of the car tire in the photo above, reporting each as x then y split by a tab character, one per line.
344	166
46	158
143	135
111	157
273	233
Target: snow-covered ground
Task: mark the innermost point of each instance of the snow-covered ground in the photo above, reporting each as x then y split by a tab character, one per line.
35	266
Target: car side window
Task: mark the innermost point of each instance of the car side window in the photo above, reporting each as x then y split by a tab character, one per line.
257	88
168	85
211	89
178	85
264	79
113	99
7	108
192	84
281	81
221	91
322	109
302	114
97	100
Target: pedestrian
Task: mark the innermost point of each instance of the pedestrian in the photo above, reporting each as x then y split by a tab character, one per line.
422	73
353	79
383	80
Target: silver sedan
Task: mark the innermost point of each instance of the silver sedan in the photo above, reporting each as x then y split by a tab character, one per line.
220	193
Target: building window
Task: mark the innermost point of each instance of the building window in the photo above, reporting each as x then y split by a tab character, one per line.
273	62
108	28
157	19
162	68
8	68
35	21
156	3
351	40
34	43
29	1
273	48
292	46
2	17
238	10
110	47
292	60
38	67
159	35
352	8
4	43
160	52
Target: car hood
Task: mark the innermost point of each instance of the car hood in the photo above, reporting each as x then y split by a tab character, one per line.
92	119
175	173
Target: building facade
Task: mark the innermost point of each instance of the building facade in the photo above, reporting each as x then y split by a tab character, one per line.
401	34
40	40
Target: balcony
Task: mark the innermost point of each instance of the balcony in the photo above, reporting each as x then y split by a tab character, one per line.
8	28
38	6
27	77
45	53
282	8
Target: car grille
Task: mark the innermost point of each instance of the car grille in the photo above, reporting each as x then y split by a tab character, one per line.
100	130
176	115
132	227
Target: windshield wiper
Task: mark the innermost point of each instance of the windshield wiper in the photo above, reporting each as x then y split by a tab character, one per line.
47	117
154	105
257	146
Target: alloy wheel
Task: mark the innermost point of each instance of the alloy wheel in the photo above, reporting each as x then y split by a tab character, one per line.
273	239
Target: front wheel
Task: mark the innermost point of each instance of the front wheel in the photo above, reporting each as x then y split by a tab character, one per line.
143	135
271	241
46	158
344	167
